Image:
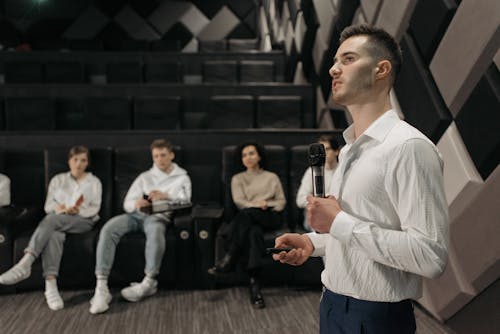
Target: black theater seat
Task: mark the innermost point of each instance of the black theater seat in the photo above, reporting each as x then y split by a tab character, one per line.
124	72
70	114
64	72
165	45
212	46
162	72
108	113
23	72
299	161
29	113
227	111
279	111
243	44
257	71
77	246
220	71
157	113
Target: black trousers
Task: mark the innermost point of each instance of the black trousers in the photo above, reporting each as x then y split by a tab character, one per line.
342	314
247	237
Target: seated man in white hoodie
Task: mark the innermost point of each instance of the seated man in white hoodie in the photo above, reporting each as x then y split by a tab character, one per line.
164	181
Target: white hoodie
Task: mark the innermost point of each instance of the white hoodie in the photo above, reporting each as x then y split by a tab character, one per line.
176	184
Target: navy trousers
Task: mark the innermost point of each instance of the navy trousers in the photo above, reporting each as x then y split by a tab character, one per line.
346	315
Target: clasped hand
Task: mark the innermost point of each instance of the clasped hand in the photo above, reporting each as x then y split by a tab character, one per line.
154	195
321	212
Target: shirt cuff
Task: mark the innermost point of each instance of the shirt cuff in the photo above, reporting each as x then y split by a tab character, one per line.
342	227
318	242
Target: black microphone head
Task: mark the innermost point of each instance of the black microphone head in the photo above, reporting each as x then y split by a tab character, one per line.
317	154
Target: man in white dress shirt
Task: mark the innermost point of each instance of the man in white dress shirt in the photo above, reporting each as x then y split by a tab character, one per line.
332	150
164	181
386	223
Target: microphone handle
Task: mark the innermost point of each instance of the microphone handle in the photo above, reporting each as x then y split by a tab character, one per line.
318	180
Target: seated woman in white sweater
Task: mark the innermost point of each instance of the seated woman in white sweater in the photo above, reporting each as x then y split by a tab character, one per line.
72	205
259	197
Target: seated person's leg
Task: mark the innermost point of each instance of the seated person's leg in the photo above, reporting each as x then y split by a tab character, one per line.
154	229
110	235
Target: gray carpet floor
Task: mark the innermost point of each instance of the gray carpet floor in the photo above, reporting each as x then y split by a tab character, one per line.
221	311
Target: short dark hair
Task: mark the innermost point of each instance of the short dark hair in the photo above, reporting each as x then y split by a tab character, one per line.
334	144
162	143
260	150
382	46
79	149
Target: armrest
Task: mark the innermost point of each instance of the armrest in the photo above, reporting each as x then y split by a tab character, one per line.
207	212
14	220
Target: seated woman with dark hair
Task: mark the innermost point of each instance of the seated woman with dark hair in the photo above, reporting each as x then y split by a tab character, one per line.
72	205
260	199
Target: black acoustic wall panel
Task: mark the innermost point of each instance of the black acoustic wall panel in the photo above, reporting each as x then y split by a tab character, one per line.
180	33
418	95
428	24
479	122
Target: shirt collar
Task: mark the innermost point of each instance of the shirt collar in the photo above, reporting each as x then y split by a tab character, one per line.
378	130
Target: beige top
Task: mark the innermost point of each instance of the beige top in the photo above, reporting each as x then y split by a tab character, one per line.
261	185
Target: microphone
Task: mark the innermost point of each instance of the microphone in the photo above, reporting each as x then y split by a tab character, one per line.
317	162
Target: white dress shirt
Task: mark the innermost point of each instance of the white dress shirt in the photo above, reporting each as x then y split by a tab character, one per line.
393	227
306	186
65	189
4	190
176	184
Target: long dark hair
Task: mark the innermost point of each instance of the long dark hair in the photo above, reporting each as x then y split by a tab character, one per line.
260	150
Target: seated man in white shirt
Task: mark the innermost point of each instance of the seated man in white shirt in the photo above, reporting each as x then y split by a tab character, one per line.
4	190
385	224
306	187
164	181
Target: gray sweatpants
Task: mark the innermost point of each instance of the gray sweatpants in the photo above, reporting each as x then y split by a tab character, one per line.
48	238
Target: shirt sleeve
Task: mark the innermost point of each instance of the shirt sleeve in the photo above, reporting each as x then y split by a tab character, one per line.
279	201
238	194
134	193
91	206
50	202
304	189
414	183
184	195
4	190
319	243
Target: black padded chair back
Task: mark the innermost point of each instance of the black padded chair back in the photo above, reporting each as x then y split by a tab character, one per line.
299	161
231	111
29	113
157	113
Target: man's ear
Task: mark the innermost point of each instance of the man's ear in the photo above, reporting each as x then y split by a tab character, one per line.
383	69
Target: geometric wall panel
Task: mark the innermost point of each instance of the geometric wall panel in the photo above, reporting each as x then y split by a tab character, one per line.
135	25
194	20
418	96
466	50
326	17
479	122
475	235
87	25
461	179
167	14
428	24
370	9
220	25
394	16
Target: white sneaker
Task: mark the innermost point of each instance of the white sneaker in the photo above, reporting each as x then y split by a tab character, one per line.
100	302
54	300
137	291
15	274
